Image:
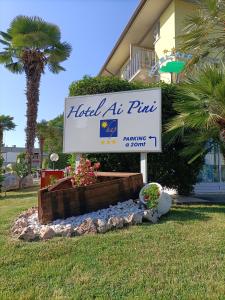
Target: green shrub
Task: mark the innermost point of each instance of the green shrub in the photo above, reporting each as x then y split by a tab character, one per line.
168	168
21	165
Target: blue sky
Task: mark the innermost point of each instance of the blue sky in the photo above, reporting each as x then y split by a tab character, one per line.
91	26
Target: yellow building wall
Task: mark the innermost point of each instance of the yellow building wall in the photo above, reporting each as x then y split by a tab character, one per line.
171	26
167	35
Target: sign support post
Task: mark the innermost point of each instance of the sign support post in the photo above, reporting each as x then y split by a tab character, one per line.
144	167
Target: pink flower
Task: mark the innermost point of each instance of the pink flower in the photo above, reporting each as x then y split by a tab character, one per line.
88	162
97	165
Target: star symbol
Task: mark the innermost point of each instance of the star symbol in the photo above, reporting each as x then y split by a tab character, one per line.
108	142
113	141
102	142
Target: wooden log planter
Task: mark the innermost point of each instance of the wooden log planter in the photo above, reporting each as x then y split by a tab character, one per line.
61	200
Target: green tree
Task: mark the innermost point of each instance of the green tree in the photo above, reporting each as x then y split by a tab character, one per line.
6	124
200	107
21	166
50	136
31	44
55	135
204	33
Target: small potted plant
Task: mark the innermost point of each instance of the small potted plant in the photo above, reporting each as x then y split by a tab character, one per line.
150	194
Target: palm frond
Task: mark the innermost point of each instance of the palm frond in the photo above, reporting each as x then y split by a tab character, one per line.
37	40
4	42
32	28
58	53
15	67
6	36
55	67
5	57
6	122
204	30
200	107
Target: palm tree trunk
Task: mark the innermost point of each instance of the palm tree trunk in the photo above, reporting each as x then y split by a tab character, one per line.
41	146
33	76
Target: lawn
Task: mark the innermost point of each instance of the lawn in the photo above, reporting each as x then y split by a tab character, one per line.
181	257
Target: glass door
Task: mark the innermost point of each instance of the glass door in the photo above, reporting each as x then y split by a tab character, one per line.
213	171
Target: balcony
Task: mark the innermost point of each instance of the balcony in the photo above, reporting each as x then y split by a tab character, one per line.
139	65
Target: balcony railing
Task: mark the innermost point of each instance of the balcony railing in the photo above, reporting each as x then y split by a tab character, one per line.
142	59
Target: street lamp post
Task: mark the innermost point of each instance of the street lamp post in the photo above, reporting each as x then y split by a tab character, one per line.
54	157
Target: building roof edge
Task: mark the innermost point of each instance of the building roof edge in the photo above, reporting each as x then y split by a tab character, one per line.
126	29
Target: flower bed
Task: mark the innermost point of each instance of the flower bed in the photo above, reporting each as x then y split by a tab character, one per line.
62	200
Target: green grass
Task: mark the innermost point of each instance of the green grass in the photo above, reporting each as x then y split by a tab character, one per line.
181	257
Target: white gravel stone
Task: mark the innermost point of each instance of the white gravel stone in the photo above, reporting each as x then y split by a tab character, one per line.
28	234
47	233
135	218
103	226
116	222
151	215
101	221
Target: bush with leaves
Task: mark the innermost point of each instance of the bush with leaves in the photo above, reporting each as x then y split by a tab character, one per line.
21	165
168	168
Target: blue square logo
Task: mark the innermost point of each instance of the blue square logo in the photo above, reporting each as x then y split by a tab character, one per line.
109	128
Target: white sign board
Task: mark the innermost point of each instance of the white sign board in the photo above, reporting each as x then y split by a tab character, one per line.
114	122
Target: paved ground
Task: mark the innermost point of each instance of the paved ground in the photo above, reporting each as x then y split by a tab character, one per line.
200	199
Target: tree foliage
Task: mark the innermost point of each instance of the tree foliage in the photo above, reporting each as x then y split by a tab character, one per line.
21	166
204	34
50	136
200	107
61	163
51	133
6	124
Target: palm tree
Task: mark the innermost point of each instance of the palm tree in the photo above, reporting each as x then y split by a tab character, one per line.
6	123
204	34
31	44
201	111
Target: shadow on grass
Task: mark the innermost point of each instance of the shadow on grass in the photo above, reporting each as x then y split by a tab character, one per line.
20	194
192	213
